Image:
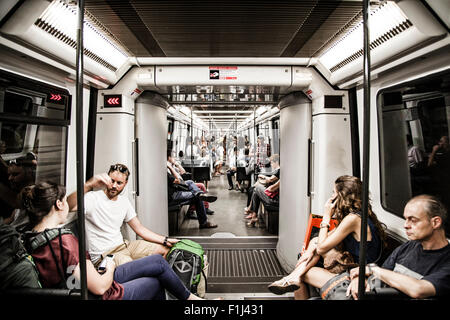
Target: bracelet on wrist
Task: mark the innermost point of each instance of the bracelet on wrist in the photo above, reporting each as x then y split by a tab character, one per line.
373	269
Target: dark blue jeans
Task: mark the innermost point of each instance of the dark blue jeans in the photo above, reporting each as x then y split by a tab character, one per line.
146	279
180	196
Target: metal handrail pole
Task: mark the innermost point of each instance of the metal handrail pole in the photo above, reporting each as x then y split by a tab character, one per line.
79	151
366	151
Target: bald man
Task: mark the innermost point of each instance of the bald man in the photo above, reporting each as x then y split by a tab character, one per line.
420	268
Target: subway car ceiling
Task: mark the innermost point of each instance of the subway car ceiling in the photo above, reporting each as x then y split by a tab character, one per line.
227	59
156	35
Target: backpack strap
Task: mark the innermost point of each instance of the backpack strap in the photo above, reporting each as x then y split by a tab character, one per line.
58	267
61	252
39	240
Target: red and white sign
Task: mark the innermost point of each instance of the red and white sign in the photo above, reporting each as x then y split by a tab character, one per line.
223	72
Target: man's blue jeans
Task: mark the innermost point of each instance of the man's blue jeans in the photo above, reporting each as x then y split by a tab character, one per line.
180	196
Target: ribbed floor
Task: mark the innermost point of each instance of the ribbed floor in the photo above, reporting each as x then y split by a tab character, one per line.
260	263
238	265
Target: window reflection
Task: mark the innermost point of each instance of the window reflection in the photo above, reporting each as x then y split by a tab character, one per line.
28	154
414	143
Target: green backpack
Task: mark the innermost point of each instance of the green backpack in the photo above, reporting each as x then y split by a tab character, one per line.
17	269
186	258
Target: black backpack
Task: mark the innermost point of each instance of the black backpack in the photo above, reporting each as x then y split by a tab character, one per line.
17	269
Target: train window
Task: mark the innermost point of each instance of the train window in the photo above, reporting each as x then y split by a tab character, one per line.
414	142
29	153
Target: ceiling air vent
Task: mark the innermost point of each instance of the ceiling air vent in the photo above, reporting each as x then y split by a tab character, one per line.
60	21
386	22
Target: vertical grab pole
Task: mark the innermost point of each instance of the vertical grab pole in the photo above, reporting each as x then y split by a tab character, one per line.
235	132
192	144
79	151
366	150
255	147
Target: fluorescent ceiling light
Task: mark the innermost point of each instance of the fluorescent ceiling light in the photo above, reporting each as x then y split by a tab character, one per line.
224	111
185	110
61	20
221	117
387	18
261	110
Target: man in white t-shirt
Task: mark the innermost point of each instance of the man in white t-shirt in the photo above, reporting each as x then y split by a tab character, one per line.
106	210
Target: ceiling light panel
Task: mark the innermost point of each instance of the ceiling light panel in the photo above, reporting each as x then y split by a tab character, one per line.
61	21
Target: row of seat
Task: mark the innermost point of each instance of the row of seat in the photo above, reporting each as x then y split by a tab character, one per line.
177	214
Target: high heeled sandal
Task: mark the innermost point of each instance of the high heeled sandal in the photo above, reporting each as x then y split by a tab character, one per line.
252	223
282	286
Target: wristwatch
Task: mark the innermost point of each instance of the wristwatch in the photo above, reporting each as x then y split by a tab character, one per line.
165	241
324	225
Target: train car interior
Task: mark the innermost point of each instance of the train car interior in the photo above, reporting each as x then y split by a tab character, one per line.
228	90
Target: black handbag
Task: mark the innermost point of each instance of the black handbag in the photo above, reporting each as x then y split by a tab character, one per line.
181	186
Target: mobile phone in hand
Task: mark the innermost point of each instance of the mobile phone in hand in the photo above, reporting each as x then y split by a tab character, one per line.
104	263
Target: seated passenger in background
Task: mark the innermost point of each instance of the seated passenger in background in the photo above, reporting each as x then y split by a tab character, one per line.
269	196
420	268
142	279
178	193
345	206
265	189
175	169
106	210
232	162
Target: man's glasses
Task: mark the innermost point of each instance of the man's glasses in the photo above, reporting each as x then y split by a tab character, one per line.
119	167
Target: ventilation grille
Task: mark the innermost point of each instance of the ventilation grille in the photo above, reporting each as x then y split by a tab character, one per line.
60	20
380	40
67	40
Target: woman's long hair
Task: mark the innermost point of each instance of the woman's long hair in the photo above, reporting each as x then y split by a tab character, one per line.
349	200
39	199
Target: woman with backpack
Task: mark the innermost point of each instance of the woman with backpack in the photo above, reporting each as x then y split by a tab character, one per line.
58	263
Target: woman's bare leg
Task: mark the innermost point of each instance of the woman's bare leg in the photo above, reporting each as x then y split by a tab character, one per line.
302	293
317	277
292	282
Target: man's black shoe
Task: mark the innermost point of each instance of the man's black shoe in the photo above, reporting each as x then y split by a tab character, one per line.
209	211
208	225
207	198
191	215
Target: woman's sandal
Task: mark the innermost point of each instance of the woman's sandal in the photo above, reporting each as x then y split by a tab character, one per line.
252	223
282	286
